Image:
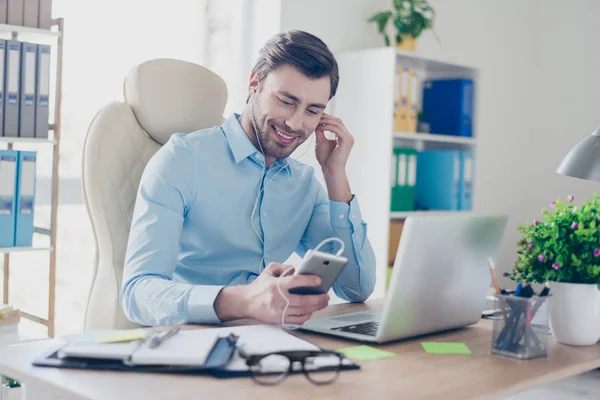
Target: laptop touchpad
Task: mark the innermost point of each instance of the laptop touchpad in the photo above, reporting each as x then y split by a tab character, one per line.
358	317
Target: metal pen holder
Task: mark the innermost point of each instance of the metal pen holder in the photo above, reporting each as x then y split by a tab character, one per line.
521	330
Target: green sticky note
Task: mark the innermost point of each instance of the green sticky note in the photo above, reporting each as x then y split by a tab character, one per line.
363	353
445	348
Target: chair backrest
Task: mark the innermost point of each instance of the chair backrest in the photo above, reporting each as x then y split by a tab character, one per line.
162	97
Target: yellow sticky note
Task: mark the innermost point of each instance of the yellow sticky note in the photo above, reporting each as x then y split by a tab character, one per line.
123	335
5	309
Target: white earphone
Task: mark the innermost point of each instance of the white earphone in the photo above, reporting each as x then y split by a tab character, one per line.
287	301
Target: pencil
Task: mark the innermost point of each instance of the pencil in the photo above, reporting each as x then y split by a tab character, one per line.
497	287
493	272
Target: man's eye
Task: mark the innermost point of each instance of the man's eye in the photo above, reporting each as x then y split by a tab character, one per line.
287	103
313	112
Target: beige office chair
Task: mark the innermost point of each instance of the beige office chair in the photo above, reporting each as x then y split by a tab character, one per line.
162	97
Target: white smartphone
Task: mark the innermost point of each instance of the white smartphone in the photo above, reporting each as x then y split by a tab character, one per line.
327	266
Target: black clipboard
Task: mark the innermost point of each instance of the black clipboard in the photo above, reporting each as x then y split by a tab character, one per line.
219	357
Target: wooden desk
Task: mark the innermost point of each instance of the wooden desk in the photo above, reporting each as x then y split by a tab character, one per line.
412	374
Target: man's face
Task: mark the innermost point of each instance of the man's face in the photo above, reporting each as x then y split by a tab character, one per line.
286	109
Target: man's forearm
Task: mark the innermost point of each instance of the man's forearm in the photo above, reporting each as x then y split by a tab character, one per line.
338	187
231	304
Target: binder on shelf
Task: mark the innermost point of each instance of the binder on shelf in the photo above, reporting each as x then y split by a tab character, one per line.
27	92
2	75
8	190
11	88
467	188
396	227
14	12
448	106
45	14
42	91
404	176
25	198
30	13
439	180
401	100
413	99
3	10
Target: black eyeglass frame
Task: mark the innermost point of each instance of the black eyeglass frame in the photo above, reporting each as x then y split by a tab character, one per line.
299	356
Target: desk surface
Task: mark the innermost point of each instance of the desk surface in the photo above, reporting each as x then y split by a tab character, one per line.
411	374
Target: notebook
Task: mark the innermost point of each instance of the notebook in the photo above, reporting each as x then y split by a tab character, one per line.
185	348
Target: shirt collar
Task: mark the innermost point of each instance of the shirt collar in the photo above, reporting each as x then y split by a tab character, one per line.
240	143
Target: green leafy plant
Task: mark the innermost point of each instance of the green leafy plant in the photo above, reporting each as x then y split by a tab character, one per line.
563	247
410	17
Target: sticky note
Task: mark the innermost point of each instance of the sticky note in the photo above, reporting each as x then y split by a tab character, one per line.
5	309
364	353
445	348
123	335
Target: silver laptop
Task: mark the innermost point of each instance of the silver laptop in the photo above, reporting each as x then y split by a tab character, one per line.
439	282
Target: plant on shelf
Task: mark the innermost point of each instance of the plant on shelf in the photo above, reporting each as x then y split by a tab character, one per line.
564	249
410	18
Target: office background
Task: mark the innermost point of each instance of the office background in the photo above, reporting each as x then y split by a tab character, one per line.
536	96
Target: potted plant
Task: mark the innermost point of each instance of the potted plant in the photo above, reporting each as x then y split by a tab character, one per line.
564	250
410	18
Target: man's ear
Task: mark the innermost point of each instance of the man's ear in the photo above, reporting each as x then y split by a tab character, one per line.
254	84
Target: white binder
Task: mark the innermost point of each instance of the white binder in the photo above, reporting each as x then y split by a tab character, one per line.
2	97
42	91
27	92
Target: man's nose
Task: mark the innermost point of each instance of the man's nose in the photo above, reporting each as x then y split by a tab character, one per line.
294	121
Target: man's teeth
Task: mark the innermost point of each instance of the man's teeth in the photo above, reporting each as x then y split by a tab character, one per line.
283	135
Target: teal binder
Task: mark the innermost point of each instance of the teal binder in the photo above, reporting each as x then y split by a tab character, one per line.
404	176
467	181
8	190
25	198
440	180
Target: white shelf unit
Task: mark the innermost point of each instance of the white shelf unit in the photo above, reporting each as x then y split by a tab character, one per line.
53	37
365	102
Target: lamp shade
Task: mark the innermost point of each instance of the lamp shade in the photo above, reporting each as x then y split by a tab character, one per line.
583	161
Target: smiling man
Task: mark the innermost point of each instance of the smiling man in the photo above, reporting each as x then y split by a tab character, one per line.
218	210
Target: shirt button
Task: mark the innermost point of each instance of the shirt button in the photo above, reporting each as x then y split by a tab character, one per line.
341	216
257	155
264	213
353	216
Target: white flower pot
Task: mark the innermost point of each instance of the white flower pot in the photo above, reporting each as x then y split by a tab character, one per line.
574	310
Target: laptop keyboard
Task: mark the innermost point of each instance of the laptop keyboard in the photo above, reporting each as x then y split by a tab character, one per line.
366	328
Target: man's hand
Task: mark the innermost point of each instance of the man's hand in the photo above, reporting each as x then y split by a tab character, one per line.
262	301
333	156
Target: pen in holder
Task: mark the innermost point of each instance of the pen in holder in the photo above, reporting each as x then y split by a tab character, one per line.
522	332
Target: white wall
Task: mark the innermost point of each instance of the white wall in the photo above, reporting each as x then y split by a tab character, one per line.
538	96
538	93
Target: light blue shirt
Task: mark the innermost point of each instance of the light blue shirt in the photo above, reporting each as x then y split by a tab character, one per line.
191	233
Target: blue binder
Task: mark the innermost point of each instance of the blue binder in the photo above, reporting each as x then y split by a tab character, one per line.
25	198
448	106
8	190
439	180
